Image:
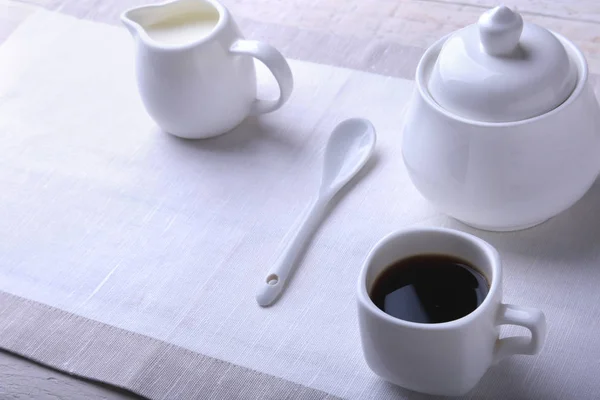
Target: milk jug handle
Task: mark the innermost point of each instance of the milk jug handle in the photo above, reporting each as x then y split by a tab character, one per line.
276	64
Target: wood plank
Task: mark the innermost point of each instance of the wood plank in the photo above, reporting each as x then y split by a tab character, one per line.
581	10
416	23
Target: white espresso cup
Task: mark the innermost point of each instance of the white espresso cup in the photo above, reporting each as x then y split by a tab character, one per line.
446	358
195	71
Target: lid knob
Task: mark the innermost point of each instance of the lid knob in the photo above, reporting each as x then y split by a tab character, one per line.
500	30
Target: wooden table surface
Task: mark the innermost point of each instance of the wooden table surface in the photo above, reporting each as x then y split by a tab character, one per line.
410	22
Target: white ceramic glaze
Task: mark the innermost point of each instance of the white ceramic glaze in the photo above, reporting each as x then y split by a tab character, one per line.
501	70
204	87
447	358
503	176
348	149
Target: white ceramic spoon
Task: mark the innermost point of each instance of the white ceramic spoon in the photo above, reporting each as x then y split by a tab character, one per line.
348	149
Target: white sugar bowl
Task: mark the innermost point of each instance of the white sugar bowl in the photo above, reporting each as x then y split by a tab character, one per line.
503	130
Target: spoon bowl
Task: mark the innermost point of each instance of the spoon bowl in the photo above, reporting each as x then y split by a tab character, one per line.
348	149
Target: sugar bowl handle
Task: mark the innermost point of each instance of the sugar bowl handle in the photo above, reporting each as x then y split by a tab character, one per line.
500	31
276	64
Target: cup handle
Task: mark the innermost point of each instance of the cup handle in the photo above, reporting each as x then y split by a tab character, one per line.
278	66
530	318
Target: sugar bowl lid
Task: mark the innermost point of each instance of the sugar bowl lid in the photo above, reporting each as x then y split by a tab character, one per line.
502	70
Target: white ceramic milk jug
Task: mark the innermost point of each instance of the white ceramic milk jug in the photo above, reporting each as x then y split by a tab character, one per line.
195	71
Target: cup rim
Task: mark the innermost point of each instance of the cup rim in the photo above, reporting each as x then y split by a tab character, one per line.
490	252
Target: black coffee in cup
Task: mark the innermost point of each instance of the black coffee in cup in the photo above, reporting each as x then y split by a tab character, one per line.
429	288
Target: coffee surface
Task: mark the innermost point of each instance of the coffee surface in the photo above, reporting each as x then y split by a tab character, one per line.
429	288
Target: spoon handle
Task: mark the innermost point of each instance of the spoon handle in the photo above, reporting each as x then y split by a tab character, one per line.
274	283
